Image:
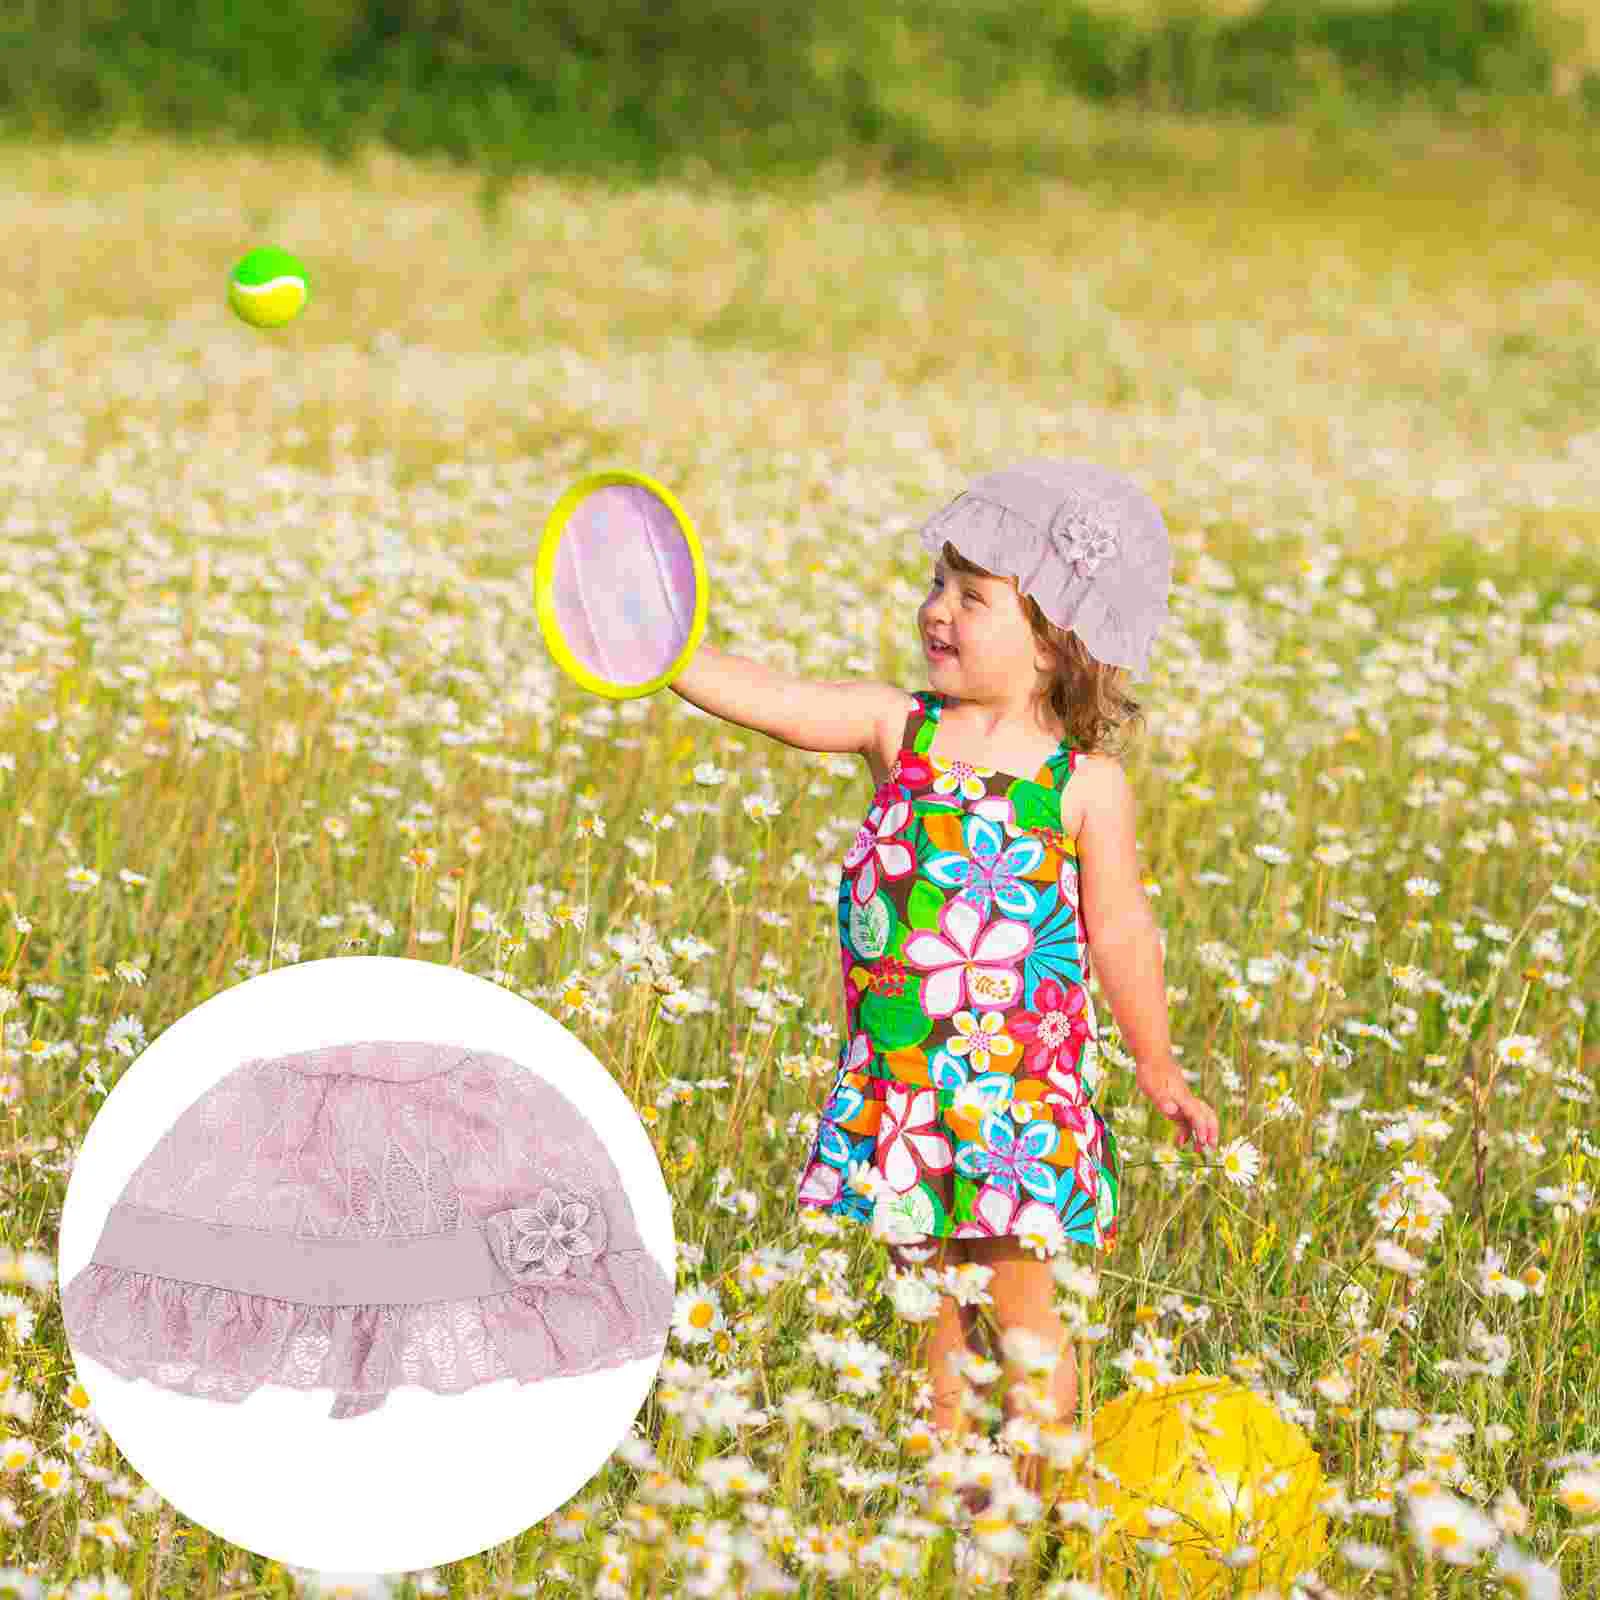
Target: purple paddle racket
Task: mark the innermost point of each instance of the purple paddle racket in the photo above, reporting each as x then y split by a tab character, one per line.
620	586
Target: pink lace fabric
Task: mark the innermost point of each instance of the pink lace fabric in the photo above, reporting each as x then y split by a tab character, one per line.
367	1215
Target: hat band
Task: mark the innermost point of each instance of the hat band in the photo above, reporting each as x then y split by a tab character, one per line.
408	1269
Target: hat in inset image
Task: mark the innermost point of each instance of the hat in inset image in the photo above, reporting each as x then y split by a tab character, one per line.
362	1216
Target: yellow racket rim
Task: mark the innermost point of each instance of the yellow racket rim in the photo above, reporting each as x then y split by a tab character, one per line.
544	577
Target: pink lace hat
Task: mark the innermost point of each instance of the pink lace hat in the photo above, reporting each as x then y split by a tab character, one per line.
362	1216
1089	545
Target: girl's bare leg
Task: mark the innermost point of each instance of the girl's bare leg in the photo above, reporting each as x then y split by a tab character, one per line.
1023	1290
952	1335
956	1333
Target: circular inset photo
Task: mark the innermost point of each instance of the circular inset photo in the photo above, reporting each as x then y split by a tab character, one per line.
367	1265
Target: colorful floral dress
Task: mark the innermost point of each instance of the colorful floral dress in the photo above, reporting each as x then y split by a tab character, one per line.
967	1074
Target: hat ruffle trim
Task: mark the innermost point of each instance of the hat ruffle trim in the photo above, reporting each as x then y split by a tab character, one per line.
223	1344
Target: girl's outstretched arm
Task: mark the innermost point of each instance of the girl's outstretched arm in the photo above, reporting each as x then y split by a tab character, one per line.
803	713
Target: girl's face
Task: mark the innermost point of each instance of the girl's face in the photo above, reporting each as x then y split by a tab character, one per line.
982	619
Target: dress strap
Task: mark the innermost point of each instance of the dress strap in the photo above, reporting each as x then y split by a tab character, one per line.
1062	764
921	723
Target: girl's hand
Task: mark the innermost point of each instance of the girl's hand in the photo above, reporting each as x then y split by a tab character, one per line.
1197	1122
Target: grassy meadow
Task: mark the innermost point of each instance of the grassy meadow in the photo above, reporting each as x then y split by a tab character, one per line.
273	691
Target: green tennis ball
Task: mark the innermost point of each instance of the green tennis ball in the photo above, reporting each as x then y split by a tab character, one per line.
268	288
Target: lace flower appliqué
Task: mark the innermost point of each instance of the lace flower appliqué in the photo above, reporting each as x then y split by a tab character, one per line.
556	1235
1082	539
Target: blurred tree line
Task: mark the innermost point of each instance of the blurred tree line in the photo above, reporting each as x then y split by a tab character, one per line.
596	84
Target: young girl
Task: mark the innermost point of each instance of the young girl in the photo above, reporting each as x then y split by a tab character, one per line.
998	850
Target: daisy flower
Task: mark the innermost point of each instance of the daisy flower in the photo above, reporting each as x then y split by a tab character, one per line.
697	1316
1240	1162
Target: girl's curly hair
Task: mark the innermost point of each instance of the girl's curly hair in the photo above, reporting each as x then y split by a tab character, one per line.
1088	698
